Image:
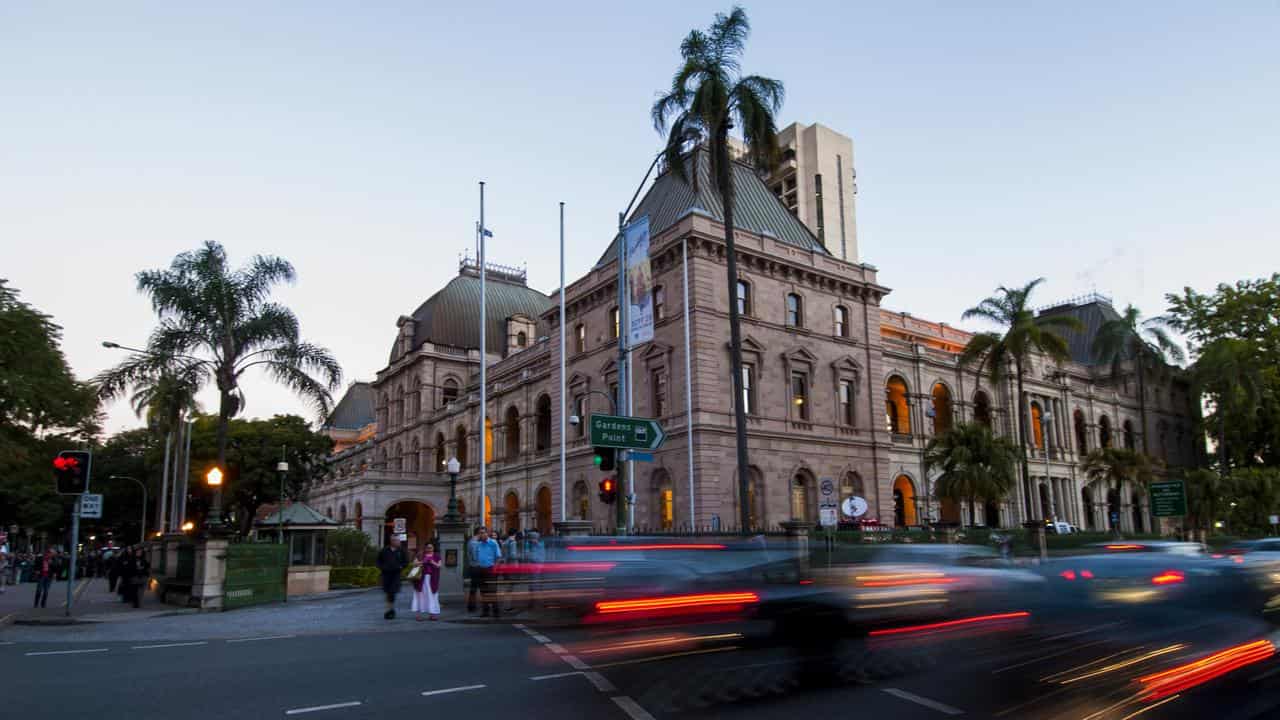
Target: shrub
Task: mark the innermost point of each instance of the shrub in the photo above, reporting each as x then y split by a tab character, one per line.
349	548
354	577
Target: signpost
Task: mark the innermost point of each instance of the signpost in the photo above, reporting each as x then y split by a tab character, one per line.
399	526
1168	498
631	433
91	506
827	516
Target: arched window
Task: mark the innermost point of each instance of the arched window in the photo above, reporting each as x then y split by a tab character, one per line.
415	399
511	512
415	449
941	409
580	338
1086	500
448	391
460	445
842	321
521	339
897	410
543	510
801	490
795	310
851	485
659	303
543	430
744	297
342	514
488	440
615	323
581	501
399	406
1104	431
1128	435
442	459
904	501
982	408
1037	425
1082	431
511	429
664	514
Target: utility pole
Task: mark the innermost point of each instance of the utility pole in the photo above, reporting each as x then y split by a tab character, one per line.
623	390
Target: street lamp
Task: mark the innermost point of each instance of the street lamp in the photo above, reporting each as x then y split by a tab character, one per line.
142	537
214	480
282	467
453	467
1045	419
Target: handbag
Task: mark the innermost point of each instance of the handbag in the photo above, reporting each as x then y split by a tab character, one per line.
415	573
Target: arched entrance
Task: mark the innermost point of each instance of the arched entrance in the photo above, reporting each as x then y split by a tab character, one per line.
1113	509
941	409
543	503
511	512
991	514
420	522
1086	498
801	491
897	409
904	502
1138	515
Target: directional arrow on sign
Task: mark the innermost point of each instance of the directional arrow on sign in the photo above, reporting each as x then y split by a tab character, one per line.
620	431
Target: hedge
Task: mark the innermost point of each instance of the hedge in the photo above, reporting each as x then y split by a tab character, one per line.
354	577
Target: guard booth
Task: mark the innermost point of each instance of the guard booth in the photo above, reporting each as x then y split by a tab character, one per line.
305	536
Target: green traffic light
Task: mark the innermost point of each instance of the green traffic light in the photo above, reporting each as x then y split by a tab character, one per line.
598	459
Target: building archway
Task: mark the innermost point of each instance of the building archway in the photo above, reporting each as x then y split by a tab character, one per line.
1037	425
360	516
982	408
991	514
1104	431
1139	517
664	511
342	513
1082	432
420	523
581	501
942	414
802	496
897	409
441	459
904	502
1113	509
511	512
543	510
1086	498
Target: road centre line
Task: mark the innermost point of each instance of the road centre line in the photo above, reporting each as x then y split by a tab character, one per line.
264	637
318	708
575	663
923	701
540	638
445	691
168	645
553	676
66	652
556	648
601	682
631	708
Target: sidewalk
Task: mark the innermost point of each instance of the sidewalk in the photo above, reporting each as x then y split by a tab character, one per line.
92	602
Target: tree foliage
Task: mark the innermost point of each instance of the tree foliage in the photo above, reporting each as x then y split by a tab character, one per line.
1234	335
974	464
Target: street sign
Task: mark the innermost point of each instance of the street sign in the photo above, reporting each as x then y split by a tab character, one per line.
1275	519
91	506
854	506
399	526
828	487
639	456
1168	498
827	515
620	431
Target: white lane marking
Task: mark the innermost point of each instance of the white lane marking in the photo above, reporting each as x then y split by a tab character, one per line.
541	638
632	708
264	637
66	652
452	690
575	663
556	648
318	708
6	643
517	626
553	676
168	645
601	682
924	701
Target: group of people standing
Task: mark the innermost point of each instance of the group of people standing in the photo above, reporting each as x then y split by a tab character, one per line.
485	552
127	573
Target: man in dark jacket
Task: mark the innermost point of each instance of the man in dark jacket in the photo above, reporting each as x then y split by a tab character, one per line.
391	561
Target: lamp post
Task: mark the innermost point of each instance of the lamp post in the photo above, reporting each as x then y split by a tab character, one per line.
282	467
143	535
1045	419
453	467
213	479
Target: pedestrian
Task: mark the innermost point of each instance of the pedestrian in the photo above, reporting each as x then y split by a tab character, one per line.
113	572
140	573
391	561
487	553
46	570
5	561
471	567
426	585
122	560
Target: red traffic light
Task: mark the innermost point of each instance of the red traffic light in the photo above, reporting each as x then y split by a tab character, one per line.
71	472
65	463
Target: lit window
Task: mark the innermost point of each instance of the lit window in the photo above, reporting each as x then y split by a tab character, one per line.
615	321
842	321
580	338
800	394
744	297
749	388
846	402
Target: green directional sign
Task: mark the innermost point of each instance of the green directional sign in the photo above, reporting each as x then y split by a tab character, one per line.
1168	498
619	431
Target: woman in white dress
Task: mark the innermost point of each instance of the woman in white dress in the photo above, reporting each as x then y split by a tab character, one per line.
426	586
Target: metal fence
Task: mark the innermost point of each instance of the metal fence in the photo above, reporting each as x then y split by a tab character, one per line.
255	574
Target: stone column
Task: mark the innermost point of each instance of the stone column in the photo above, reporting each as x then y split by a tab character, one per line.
210	573
453	549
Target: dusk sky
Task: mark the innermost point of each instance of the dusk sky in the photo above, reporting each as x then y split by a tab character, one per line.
1132	148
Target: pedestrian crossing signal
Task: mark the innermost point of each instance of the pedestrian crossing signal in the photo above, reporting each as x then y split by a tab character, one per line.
71	472
608	490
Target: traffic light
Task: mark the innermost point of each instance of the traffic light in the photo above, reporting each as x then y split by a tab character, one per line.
608	490
71	472
605	458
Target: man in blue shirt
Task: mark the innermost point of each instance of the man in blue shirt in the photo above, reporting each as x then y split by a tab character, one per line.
484	555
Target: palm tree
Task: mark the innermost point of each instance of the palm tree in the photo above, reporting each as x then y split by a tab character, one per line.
1024	333
1143	342
1116	466
217	322
975	464
708	95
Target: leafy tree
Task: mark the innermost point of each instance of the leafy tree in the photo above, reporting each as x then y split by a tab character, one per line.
1234	335
127	454
1205	490
1116	466
708	95
1145	343
217	323
43	409
349	547
1024	333
1255	493
975	464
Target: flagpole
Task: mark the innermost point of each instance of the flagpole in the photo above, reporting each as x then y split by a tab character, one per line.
688	379
484	397
563	403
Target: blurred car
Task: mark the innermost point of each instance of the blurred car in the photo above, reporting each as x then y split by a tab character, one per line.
1266	550
1175	547
1060	528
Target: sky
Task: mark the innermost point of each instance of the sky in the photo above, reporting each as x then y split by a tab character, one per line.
1126	148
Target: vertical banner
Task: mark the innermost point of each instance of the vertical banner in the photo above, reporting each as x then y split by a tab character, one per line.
639	282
